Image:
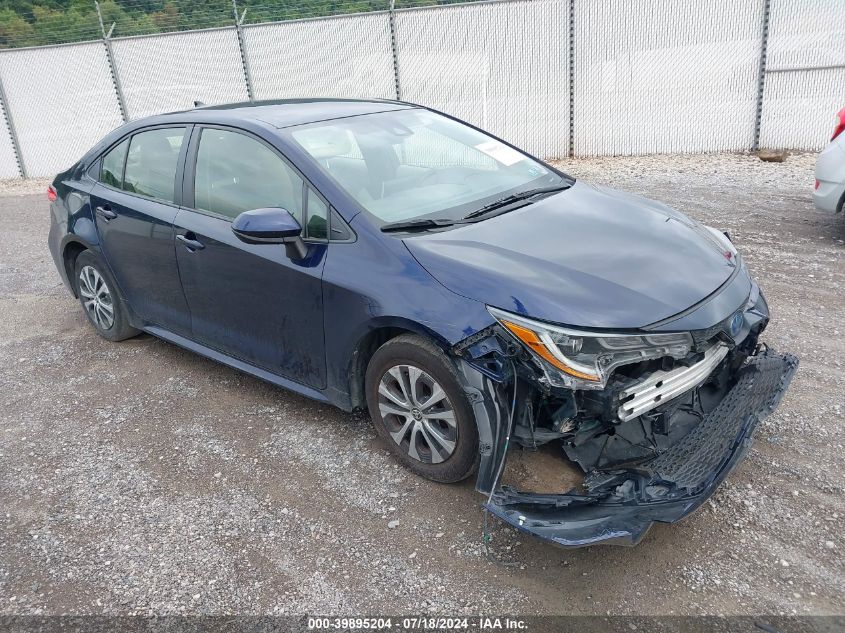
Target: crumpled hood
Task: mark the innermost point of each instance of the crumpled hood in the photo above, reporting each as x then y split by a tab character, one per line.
588	256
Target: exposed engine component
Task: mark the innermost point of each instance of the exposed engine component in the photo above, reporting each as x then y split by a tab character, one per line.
659	429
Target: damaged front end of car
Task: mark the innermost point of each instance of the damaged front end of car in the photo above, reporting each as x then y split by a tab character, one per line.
610	432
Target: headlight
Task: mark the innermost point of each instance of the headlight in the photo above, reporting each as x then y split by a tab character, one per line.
580	359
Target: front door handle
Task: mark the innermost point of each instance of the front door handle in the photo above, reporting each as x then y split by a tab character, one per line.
190	242
106	213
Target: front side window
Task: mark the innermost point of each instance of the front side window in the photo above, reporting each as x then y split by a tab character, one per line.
414	164
236	173
111	167
152	162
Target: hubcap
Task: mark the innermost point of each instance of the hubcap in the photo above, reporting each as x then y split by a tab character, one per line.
96	297
418	414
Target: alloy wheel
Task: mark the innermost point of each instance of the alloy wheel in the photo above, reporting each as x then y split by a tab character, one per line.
96	297
418	414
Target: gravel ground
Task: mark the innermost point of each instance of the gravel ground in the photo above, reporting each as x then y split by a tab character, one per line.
140	478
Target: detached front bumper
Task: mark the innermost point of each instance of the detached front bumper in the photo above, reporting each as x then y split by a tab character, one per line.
619	506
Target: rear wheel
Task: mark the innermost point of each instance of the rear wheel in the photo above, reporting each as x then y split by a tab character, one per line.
420	410
101	299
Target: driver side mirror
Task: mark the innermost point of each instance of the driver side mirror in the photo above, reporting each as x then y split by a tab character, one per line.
272	225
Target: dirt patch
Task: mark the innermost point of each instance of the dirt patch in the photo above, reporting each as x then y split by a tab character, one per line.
545	471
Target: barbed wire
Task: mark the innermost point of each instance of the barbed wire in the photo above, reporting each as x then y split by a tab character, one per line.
37	25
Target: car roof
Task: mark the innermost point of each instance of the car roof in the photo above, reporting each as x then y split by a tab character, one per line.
273	114
288	112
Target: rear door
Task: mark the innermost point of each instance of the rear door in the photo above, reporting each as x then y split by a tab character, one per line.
250	301
135	202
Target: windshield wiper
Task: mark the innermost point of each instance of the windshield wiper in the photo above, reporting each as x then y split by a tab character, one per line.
516	197
429	223
411	225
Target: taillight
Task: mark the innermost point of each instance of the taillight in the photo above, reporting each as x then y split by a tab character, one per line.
816	186
51	193
840	124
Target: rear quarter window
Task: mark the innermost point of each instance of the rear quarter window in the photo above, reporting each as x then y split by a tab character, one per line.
111	166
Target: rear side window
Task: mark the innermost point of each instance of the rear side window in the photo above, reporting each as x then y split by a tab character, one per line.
236	173
111	168
151	163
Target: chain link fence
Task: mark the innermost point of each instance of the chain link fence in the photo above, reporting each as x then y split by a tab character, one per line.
557	77
60	100
163	73
9	167
502	66
656	77
345	55
805	72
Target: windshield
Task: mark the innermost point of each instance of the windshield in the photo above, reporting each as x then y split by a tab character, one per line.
414	164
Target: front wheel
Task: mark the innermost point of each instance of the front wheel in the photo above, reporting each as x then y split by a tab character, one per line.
420	410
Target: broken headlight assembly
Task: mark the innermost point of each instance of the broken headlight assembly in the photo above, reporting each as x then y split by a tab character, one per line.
581	359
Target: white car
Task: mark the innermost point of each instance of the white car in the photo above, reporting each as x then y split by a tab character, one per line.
829	194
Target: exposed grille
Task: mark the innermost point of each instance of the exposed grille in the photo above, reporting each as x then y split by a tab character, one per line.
661	386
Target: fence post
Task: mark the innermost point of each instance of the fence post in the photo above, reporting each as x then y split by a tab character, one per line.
761	75
242	47
16	146
393	48
571	78
118	88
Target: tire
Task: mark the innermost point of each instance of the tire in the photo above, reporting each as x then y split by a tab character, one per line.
100	298
435	439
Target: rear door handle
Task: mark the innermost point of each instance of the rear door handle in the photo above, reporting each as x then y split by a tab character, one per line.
106	213
190	243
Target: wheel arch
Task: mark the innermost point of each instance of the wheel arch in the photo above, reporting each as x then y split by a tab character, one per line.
70	251
378	333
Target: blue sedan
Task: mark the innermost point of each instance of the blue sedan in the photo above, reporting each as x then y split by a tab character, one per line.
381	255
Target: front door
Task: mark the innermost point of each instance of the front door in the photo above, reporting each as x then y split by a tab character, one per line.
249	301
134	204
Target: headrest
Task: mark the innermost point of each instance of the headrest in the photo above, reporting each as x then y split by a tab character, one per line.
325	142
153	144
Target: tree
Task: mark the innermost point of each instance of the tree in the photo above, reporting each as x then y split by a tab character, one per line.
14	30
37	22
